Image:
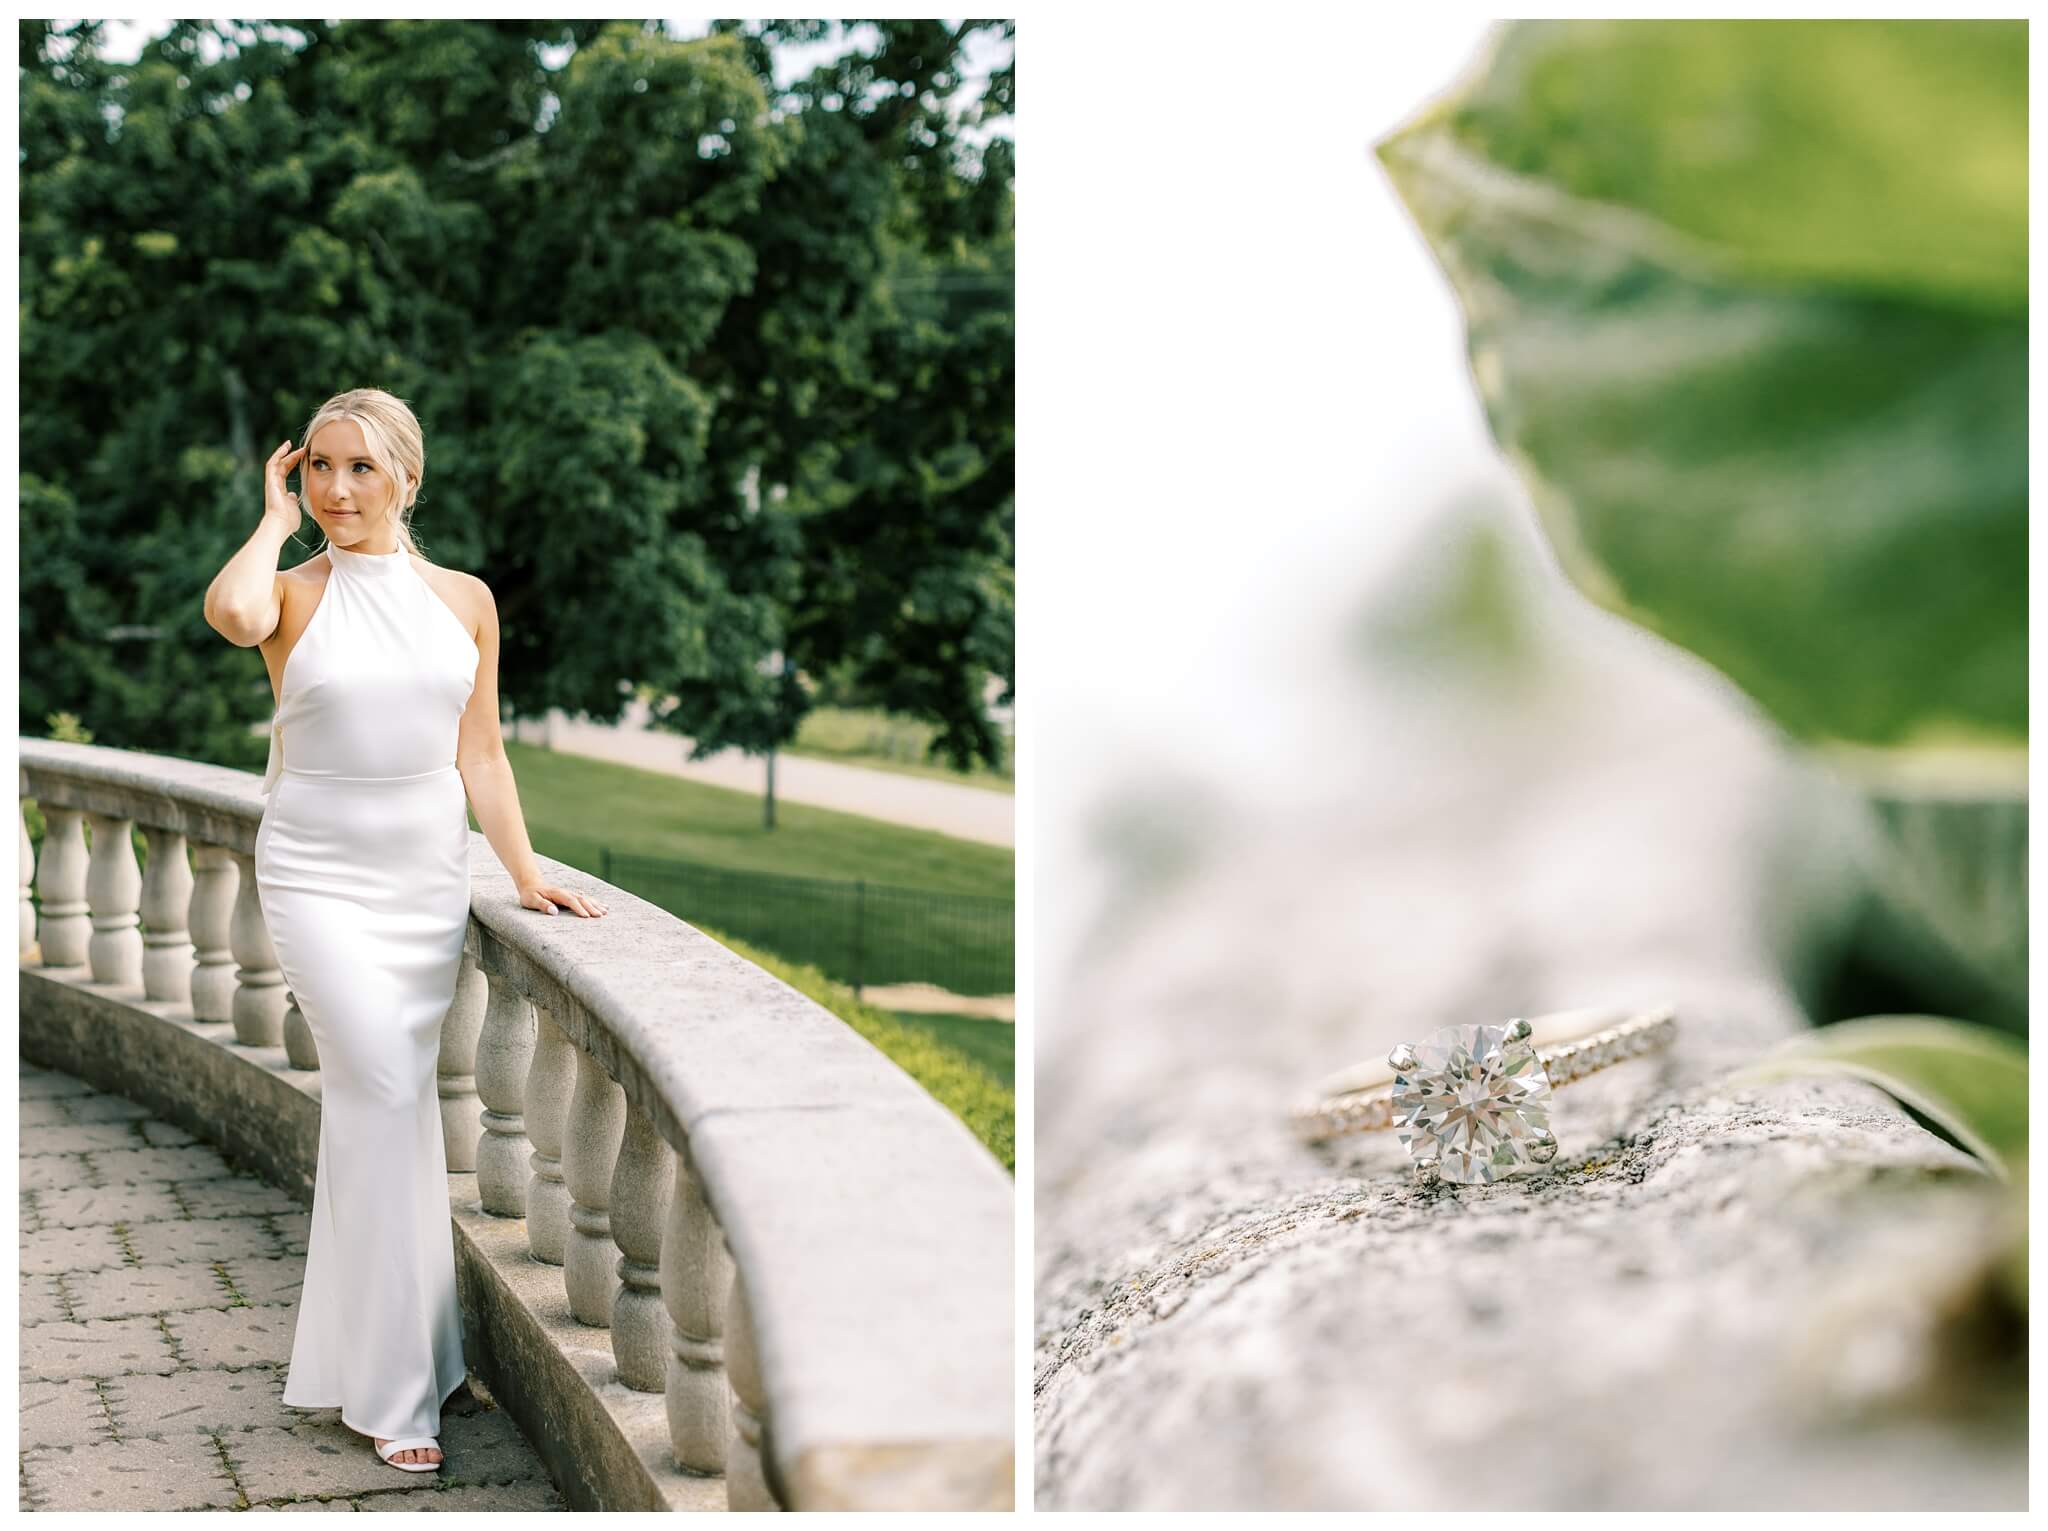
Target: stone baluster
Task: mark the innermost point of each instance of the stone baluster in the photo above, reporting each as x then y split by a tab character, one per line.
548	1083
639	1206
259	985
746	1469
301	1047
597	1121
27	868
66	931
213	906
113	891
457	1066
504	1057
696	1275
166	900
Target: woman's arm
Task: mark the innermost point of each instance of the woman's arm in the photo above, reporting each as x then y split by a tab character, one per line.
487	777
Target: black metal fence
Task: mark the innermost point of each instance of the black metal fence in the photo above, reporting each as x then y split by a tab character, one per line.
860	933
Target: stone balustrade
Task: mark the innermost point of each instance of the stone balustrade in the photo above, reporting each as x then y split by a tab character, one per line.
713	1248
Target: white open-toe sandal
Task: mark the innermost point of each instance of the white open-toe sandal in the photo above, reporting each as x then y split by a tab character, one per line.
406	1443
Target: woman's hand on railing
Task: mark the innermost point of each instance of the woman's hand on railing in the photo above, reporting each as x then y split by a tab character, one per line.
543	897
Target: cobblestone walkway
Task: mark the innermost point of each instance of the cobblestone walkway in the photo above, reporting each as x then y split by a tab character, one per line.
157	1293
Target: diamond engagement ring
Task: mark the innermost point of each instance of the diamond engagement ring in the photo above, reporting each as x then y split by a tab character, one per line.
1472	1103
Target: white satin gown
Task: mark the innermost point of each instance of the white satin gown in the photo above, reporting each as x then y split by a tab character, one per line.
362	869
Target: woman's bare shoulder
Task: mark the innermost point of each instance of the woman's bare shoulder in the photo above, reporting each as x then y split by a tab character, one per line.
451	580
483	606
468	595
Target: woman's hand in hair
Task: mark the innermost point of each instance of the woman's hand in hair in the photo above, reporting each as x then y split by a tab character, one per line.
279	503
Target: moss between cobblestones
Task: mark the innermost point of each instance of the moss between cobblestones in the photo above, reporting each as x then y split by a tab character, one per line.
221	1449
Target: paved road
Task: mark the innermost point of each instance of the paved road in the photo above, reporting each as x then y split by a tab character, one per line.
971	813
157	1295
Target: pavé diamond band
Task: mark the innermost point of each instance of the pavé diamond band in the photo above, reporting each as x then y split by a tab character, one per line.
1472	1103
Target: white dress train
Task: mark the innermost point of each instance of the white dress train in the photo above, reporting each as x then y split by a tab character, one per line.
362	870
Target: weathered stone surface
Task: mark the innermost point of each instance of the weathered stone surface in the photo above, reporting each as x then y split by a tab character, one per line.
197	1401
48	1171
204	1240
345	1506
80	1206
41	1301
264	1282
216	1376
524	1496
309	1459
127	1165
1715	1300
68	1413
164	1135
43	1113
240	1197
483	1446
177	1472
77	1137
103	1108
127	1291
293	1229
233	1336
947	1410
104	1347
48	1084
615	1441
53	1249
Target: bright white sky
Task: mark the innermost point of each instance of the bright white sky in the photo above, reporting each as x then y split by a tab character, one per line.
1260	369
1244	385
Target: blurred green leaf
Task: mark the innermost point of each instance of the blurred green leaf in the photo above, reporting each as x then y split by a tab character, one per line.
1971	1081
1951	876
1888	157
2014	1270
1746	306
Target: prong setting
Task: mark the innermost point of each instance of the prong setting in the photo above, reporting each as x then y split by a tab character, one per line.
1471	1103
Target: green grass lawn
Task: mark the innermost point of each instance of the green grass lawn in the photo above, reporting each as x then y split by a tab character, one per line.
574	807
990	1043
927	912
867	736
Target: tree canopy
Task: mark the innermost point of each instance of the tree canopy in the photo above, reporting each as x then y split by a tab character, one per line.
717	377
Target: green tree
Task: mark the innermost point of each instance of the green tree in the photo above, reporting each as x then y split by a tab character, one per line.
896	449
696	389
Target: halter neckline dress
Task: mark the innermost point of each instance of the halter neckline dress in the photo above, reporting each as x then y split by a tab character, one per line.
362	871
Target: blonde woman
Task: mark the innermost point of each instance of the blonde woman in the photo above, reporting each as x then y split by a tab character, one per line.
385	670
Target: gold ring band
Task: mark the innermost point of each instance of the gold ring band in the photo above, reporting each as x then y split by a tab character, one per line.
1569	1044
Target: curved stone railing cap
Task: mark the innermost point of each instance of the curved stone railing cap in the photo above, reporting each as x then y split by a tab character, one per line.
872	1231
